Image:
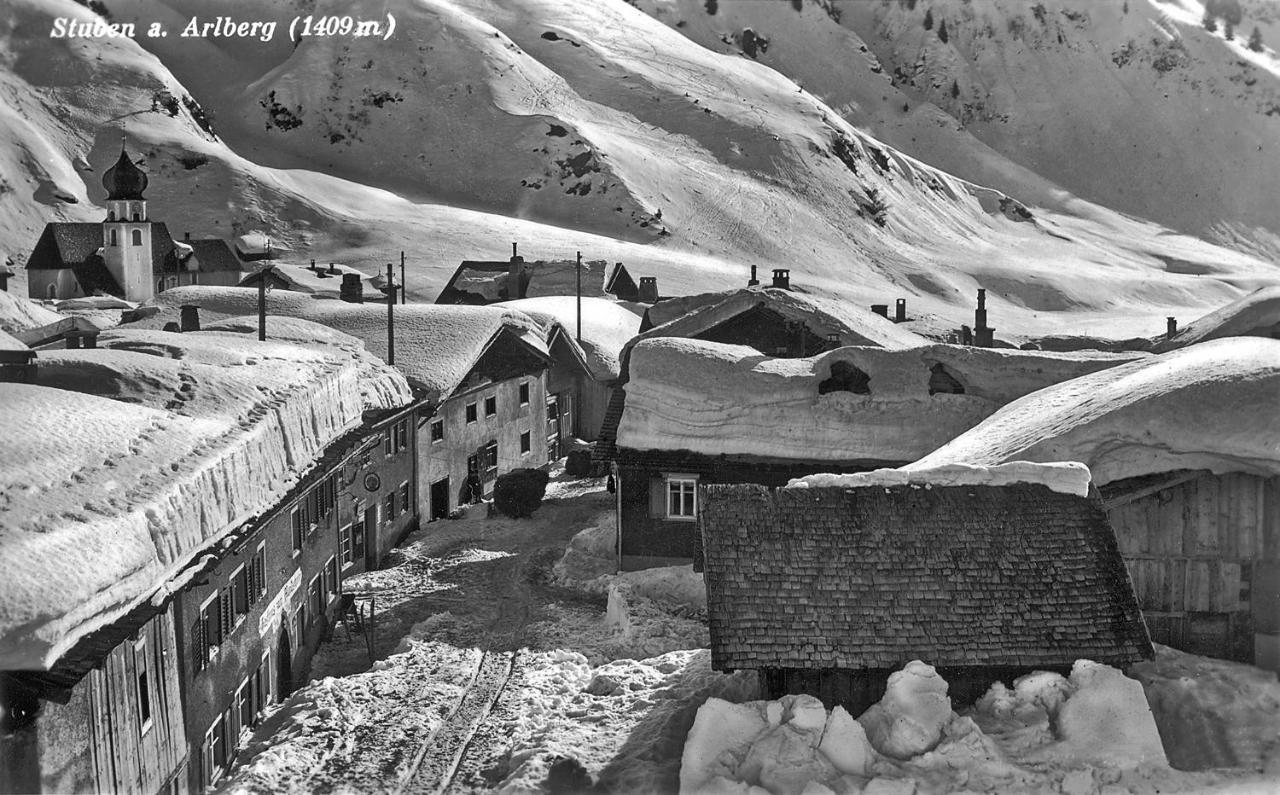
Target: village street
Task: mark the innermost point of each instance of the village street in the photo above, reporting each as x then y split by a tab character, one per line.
474	645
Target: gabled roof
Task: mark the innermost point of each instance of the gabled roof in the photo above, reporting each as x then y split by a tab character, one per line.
63	245
485	282
823	317
214	255
870	578
325	280
607	326
57	330
436	346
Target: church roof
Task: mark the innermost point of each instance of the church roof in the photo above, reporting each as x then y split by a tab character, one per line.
124	180
62	245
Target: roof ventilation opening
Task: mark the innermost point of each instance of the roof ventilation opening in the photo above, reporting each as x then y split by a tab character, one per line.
943	382
846	378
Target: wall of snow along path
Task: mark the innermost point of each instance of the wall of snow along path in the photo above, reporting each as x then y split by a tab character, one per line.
180	439
1028	738
714	398
1208	406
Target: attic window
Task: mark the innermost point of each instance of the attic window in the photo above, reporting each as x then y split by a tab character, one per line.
846	378
943	382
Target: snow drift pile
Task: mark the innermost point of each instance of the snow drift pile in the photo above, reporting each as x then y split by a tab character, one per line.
1066	478
1202	407
1019	738
1255	315
713	398
127	462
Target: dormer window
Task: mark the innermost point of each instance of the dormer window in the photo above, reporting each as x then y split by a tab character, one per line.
846	378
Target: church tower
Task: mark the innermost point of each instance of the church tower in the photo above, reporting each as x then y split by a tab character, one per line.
126	233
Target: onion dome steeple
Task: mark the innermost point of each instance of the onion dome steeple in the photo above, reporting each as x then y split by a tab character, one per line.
124	180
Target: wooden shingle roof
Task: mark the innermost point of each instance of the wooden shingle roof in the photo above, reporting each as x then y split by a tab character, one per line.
871	578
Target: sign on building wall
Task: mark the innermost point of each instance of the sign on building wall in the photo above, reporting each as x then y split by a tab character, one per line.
269	621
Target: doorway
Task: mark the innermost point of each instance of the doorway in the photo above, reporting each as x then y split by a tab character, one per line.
371	537
284	664
440	499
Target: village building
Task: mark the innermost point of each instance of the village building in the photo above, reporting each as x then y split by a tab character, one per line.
698	412
324	281
489	282
585	340
133	578
1185	452
480	370
1256	314
126	255
827	588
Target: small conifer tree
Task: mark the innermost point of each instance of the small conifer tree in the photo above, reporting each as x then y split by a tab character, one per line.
955	89
1255	40
928	19
942	32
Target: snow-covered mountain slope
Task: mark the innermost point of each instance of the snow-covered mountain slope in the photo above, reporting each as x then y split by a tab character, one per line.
353	149
1133	105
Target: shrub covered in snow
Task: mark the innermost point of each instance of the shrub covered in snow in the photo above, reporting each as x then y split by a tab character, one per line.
518	493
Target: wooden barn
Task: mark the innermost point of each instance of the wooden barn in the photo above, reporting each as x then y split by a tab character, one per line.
1204	554
828	590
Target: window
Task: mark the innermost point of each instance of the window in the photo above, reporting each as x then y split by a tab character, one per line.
524	393
226	611
553	408
245	703
297	518
258	574
240	593
471	412
346	541
316	596
111	215
215	751
137	234
332	583
387	444
491	455
682	497
357	541
144	685
437	431
404	497
401	431
114	240
389	511
299	626
208	632
525	444
490	406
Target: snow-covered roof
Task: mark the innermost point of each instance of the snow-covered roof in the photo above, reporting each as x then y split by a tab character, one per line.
114	479
325	280
607	326
10	343
18	313
1255	315
824	316
1208	406
712	398
1068	477
436	345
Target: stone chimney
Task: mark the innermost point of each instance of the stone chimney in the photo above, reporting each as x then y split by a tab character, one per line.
515	276
900	311
352	290
190	317
333	269
186	236
314	269
983	335
782	278
753	281
1171	327
648	292
881	309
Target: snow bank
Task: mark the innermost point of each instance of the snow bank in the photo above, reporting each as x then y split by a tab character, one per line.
436	346
1035	737
1065	478
104	500
1201	407
713	398
607	326
590	564
1254	315
18	313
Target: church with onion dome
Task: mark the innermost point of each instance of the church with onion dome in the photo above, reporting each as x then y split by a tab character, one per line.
127	255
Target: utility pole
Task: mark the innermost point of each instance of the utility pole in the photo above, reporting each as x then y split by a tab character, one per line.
404	299
391	322
579	297
262	302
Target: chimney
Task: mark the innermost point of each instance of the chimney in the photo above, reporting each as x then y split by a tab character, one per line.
352	290
314	269
900	311
648	293
982	333
333	269
515	276
782	278
1171	327
190	317
966	335
186	236
881	309
753	281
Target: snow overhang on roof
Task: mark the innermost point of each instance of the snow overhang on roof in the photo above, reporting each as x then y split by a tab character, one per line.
1208	406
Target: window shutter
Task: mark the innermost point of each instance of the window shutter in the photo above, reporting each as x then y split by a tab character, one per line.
657	497
199	645
251	584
